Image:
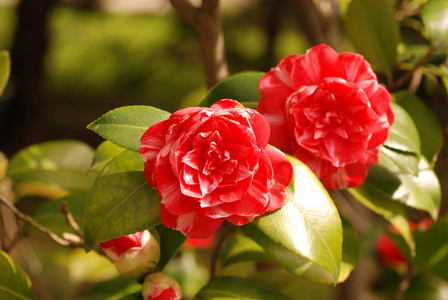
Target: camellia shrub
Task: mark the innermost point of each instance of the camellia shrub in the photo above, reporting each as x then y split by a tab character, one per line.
273	171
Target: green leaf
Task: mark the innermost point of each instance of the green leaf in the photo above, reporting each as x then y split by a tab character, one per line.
308	223
403	144
428	127
14	283
114	290
105	152
125	126
373	30
302	267
421	192
63	164
121	201
5	68
49	213
170	243
242	248
227	287
242	87
382	204
434	15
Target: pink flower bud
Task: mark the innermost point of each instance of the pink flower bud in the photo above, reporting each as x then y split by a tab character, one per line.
134	255
161	286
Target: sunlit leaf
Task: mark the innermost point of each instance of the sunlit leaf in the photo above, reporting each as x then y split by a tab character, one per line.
242	248
62	164
302	267
382	204
242	87
5	66
14	283
403	144
428	127
121	201
373	29
125	126
224	288
434	15
308	223
420	192
105	152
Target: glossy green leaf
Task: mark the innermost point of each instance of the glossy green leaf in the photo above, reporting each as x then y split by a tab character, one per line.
125	126
373	30
434	15
114	290
302	267
170	243
14	282
105	152
5	67
242	248
421	192
242	87
49	213
308	223
428	127
403	144
63	164
121	201
382	204
224	288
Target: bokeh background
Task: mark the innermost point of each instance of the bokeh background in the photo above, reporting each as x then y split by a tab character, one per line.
74	60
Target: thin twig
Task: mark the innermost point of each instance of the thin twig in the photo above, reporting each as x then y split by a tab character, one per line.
404	283
27	219
70	220
408	75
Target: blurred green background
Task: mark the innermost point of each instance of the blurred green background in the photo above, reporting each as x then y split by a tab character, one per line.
97	60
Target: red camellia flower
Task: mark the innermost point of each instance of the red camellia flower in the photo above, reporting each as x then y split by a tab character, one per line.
160	286
212	164
328	110
134	255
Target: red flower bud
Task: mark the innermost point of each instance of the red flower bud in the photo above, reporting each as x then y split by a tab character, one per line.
161	286
134	255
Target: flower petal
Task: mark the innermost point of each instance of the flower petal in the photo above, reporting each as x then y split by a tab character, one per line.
192	224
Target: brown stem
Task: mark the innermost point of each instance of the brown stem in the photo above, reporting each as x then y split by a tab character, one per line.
404	283
27	219
70	220
408	75
225	231
207	23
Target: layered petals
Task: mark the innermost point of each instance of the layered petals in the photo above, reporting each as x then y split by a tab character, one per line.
331	113
212	164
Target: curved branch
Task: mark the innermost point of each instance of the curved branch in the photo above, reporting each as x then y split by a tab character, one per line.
27	219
